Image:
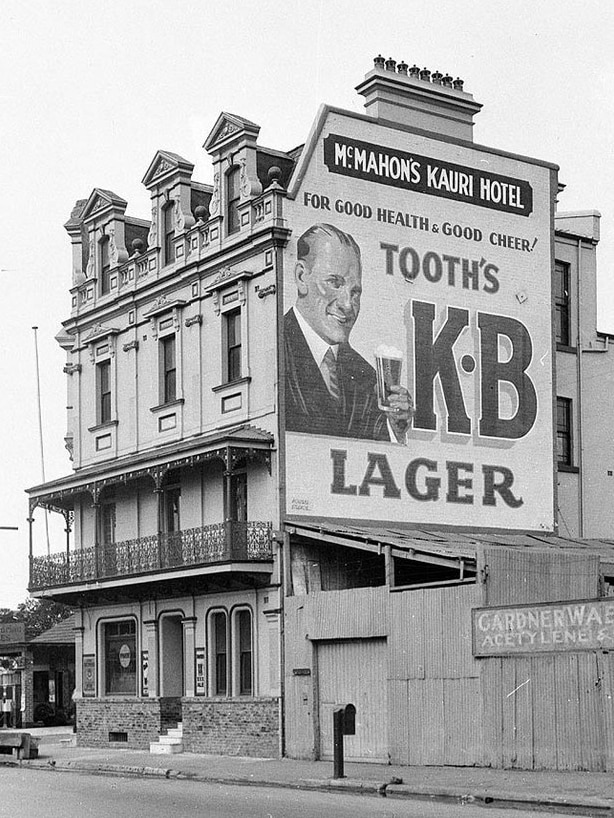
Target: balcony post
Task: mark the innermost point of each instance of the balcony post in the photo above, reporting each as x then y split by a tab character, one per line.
158	491
98	560
189	641
31	539
68	529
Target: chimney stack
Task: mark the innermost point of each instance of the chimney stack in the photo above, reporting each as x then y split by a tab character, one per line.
416	97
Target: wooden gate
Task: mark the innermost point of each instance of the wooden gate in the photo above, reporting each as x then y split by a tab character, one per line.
353	672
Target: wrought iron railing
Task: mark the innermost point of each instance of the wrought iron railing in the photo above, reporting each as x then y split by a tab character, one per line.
222	542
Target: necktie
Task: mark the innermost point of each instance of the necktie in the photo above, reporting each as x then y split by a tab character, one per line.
329	372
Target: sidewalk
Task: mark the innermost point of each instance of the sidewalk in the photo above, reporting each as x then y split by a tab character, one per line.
574	792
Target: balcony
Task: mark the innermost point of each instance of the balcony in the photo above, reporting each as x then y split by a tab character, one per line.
219	543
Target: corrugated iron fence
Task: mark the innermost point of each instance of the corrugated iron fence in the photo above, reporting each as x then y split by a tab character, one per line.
546	711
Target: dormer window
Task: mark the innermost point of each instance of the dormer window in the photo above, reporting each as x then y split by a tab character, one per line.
233	197
168	227
105	266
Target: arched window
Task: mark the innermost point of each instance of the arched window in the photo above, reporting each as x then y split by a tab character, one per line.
218	640
119	645
231	652
243	652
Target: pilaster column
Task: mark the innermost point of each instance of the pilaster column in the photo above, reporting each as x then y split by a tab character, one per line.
151	637
189	657
79	661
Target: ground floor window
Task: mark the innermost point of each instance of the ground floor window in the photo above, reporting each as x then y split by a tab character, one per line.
219	638
231	653
119	640
243	628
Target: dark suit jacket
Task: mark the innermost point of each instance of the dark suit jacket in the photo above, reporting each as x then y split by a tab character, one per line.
309	405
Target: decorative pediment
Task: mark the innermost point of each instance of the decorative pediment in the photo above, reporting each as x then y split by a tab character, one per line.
101	200
163	304
163	164
158	310
229	127
97	334
226	277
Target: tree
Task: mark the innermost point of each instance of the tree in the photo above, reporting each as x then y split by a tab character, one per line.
38	614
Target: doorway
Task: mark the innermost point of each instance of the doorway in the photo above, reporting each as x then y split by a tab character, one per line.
171	655
354	672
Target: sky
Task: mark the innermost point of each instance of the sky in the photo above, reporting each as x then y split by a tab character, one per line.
90	91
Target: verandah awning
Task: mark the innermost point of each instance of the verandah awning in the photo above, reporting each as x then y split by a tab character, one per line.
231	446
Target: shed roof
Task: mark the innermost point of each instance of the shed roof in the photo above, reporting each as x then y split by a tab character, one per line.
451	544
62	633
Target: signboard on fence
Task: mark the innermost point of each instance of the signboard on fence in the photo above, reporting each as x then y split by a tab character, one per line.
552	627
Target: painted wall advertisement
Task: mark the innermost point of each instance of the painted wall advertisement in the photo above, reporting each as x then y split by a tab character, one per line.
417	331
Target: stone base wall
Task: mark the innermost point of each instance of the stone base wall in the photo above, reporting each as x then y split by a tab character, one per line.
142	720
236	727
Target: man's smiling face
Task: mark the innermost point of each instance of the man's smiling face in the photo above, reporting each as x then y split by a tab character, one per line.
329	283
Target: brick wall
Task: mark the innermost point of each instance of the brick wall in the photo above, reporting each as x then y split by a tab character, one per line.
239	727
141	719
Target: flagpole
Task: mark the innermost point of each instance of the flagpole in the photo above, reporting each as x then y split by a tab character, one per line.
40	429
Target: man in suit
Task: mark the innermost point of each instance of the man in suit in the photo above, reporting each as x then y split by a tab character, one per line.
330	388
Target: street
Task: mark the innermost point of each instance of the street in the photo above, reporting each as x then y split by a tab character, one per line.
33	793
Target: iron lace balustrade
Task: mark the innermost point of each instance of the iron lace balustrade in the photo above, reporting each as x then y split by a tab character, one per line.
222	542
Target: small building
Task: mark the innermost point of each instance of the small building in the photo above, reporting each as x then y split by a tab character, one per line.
42	680
324	413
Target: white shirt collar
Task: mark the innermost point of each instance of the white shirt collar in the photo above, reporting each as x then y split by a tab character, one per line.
316	344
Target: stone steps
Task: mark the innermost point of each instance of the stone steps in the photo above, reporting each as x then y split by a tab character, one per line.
168	744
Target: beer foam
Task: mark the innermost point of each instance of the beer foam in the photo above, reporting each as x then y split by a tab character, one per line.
383	351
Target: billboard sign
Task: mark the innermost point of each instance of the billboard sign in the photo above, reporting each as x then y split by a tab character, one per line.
417	331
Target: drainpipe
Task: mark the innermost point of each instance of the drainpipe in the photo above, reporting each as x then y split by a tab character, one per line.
580	394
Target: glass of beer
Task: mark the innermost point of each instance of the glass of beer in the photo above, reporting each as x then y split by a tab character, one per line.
388	363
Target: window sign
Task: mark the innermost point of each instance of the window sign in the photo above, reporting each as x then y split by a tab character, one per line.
145	672
89	675
200	672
